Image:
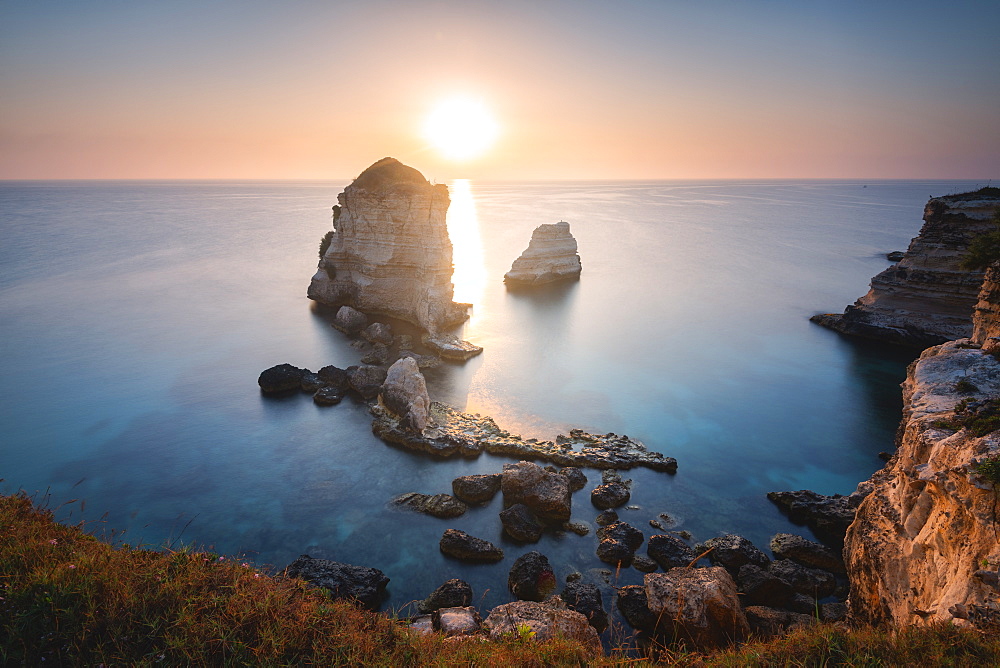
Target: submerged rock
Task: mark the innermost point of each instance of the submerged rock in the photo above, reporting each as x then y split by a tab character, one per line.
359	583
389	252
444	506
551	256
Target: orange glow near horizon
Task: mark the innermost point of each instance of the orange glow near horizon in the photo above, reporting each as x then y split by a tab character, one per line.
461	128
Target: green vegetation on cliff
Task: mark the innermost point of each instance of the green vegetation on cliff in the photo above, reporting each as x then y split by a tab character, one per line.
67	598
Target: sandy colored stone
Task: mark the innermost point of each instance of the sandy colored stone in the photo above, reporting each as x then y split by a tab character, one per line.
550	256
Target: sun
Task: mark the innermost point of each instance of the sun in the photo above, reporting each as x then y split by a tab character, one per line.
461	128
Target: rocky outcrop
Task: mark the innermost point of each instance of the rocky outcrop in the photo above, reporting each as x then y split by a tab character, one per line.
927	298
458	544
531	578
452	594
546	494
452	433
404	393
541	621
827	516
551	256
343	581
619	541
986	318
476	488
929	527
698	605
389	252
587	600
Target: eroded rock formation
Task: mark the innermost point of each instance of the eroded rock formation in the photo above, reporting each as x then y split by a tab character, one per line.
927	298
389	252
550	256
986	321
924	545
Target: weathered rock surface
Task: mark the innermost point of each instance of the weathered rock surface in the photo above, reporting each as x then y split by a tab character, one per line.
444	506
457	621
544	620
454	593
378	332
986	317
733	552
350	321
451	433
577	478
531	578
334	378
930	521
587	600
634	606
404	393
763	587
458	544
546	494
619	541
359	583
804	580
366	379
390	253
767	622
476	488
827	516
551	256
450	347
520	523
927	298
699	605
806	552
328	396
280	379
610	495
669	551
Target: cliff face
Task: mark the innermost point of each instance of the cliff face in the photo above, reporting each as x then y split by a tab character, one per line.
924	545
986	320
551	256
390	252
927	298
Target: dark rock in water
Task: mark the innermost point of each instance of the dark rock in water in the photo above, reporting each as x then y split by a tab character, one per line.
280	379
643	564
619	541
610	495
579	528
607	517
476	488
378	355
452	594
520	524
576	477
335	378
531	577
615	553
310	382
633	604
328	396
806	552
366	380
895	256
378	332
827	516
761	587
732	552
767	622
343	581
587	599
804	580
546	494
669	551
462	546
350	321
444	506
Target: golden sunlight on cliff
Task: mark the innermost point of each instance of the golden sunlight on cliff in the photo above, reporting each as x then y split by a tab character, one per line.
467	246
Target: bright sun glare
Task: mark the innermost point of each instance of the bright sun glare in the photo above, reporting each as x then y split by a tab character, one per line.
461	128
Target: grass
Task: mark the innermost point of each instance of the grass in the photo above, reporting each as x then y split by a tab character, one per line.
67	598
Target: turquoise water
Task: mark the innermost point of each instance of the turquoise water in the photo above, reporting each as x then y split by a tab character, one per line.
136	316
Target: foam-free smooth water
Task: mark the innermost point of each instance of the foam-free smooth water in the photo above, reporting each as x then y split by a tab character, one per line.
136	316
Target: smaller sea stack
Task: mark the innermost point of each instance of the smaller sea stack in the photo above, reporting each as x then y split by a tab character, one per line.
551	256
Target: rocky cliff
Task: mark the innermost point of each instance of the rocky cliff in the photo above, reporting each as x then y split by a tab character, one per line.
551	256
390	252
926	298
986	319
924	545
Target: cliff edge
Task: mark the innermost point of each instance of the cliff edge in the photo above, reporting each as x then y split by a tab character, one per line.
926	298
389	251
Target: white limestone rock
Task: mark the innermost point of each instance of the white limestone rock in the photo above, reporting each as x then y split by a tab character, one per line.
551	256
404	392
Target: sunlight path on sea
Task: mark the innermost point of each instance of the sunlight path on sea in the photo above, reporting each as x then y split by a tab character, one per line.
467	252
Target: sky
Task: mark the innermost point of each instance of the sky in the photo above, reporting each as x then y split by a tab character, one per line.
651	89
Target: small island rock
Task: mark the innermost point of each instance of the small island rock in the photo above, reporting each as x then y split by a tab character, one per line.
551	256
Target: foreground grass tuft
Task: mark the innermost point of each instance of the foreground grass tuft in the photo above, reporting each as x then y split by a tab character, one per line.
67	598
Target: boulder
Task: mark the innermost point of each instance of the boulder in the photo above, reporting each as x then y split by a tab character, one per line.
476	488
827	516
767	622
378	332
763	587
444	506
335	378
643	564
634	606
698	605
350	321
422	625
806	552
458	621
366	380
577	478
328	396
454	593
404	393
343	581
281	379
607	517
542	621
587	600
377	356
450	347
520	524
310	382
610	495
619	541
732	552
460	545
531	577
669	551
546	494
551	256
809	581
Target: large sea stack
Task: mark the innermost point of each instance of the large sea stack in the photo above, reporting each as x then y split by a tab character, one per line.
551	256
927	298
389	252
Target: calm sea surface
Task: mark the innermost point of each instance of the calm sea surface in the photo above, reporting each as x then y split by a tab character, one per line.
136	316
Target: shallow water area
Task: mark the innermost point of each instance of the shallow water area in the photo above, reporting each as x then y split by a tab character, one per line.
135	318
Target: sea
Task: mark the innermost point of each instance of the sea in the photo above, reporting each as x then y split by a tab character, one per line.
135	317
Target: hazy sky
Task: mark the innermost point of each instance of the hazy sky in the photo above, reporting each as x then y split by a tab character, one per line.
612	89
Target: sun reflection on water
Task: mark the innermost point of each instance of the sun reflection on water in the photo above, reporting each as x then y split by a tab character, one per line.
467	245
